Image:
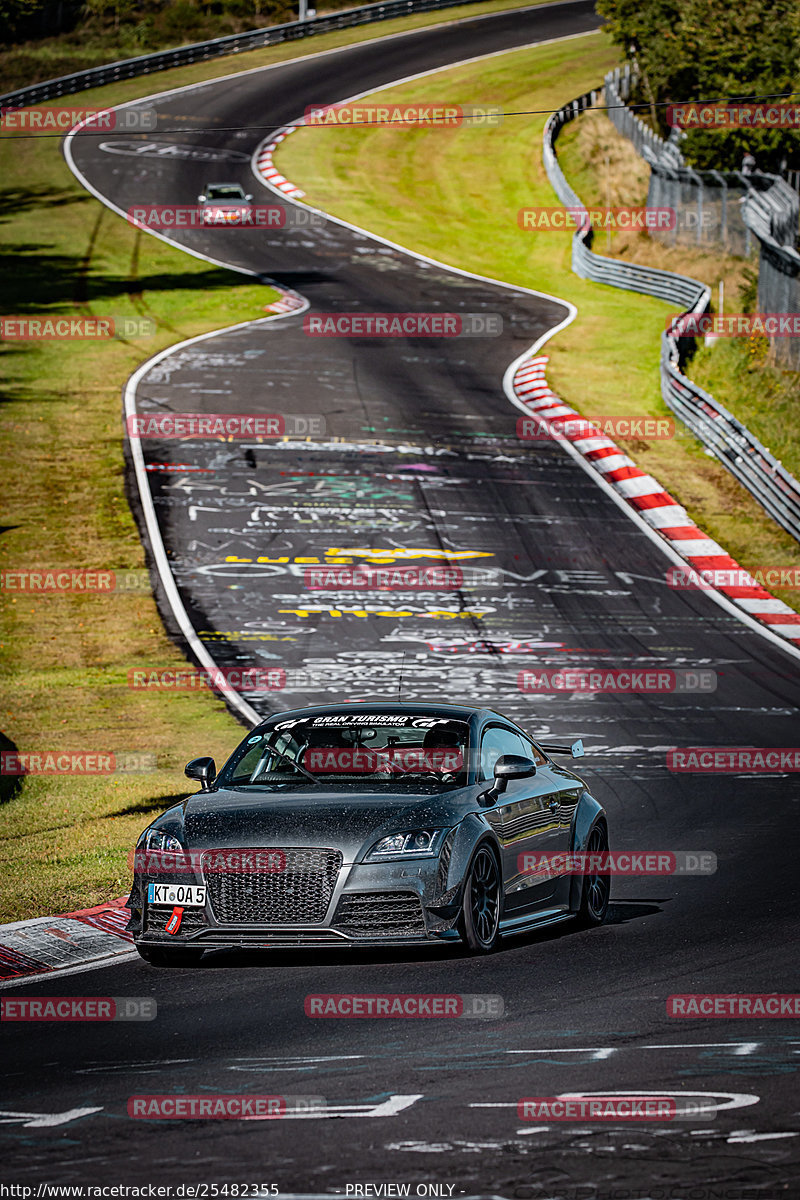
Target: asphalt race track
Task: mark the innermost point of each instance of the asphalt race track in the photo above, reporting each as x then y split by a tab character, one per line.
420	454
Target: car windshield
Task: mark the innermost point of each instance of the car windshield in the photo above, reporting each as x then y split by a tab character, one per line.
360	751
224	191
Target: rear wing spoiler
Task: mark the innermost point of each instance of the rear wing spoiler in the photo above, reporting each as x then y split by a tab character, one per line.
575	750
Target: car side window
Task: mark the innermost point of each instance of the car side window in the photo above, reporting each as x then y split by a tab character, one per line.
498	740
530	751
247	764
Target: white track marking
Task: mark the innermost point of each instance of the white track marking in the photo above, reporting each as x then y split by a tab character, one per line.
388	1108
738	1138
741	1048
597	1052
154	532
734	1099
45	1120
600	1052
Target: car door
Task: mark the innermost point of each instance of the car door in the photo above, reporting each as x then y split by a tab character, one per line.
561	799
525	822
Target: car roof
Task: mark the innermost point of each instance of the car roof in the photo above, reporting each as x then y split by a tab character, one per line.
454	712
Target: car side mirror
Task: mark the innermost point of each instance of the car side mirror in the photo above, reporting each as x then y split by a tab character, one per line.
201	199
508	766
202	769
248	196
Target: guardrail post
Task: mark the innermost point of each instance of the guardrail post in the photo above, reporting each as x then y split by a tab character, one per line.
723	231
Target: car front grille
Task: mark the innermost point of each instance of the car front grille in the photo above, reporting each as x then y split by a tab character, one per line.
297	895
380	914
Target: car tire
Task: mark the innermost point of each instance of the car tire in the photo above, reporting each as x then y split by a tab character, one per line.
480	908
595	889
170	956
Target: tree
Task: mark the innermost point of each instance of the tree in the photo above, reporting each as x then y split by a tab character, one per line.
688	50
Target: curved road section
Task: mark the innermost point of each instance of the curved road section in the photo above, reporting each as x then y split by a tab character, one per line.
419	466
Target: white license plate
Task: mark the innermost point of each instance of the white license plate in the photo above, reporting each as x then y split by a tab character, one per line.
187	895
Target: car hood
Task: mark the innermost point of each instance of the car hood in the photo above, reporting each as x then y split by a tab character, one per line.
342	820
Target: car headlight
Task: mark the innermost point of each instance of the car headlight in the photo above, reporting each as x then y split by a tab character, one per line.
418	843
154	839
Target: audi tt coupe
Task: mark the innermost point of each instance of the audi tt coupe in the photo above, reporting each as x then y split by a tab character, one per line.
369	825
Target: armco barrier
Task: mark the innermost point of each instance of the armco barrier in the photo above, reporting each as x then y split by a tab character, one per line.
618	89
234	43
773	218
732	443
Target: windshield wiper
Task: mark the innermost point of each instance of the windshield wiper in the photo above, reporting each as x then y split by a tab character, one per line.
285	758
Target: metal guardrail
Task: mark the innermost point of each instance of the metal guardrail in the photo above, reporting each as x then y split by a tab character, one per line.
733	444
618	89
709	204
773	217
773	214
730	441
234	43
688	294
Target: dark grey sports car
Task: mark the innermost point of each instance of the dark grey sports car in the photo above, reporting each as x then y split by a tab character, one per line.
369	824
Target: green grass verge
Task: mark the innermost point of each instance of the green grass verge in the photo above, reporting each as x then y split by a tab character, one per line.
454	194
64	661
63	842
